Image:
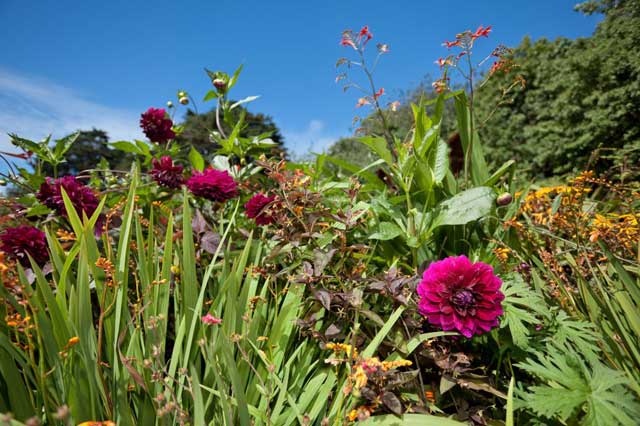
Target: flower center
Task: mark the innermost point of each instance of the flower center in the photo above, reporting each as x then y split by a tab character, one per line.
462	299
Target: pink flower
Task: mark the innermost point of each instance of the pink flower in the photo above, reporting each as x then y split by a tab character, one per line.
214	185
441	62
481	32
456	294
157	125
167	174
364	34
362	102
450	44
210	320
23	240
347	41
259	208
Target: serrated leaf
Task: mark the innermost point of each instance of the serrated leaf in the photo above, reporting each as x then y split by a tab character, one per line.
521	305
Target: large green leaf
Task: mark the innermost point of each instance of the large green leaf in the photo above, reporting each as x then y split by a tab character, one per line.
465	207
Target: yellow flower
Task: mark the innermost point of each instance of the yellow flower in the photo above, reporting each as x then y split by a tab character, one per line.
388	365
359	377
502	253
342	347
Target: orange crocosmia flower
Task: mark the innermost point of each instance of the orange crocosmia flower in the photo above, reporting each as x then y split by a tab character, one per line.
379	93
95	423
362	101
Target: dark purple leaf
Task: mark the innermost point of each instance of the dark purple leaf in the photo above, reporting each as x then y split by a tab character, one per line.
391	401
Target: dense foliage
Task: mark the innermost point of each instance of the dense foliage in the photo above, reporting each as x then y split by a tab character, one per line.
238	288
580	106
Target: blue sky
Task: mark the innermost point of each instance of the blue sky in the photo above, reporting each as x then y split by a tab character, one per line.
68	65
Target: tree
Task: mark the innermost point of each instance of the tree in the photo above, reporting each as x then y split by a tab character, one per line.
198	127
581	103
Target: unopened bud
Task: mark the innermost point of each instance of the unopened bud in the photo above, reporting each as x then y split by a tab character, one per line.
184	100
181	94
504	199
169	104
220	84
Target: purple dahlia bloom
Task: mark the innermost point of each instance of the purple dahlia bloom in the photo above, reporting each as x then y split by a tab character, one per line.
167	174
259	209
23	240
214	185
157	125
456	294
81	196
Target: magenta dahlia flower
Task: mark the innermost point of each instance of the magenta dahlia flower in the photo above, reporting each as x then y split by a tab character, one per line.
167	174
259	209
23	240
81	196
157	125
456	294
212	184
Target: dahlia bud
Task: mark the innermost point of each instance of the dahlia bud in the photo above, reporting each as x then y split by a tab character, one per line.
504	199
181	94
169	104
220	84
184	100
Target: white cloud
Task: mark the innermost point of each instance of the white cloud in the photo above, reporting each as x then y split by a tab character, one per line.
33	107
314	138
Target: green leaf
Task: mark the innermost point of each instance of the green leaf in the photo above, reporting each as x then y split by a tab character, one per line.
386	231
126	147
244	101
441	162
379	146
211	94
521	307
466	206
196	159
234	78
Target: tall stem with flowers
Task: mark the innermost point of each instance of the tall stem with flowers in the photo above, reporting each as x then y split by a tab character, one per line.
371	95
